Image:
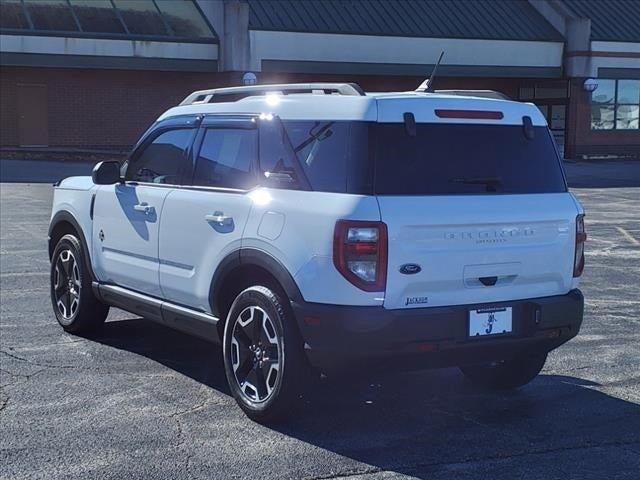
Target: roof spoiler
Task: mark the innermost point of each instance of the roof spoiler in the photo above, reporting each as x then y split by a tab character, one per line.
206	96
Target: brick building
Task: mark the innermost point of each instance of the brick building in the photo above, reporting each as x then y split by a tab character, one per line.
92	74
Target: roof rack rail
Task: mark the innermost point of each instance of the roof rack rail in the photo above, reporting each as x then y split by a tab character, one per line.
205	96
476	93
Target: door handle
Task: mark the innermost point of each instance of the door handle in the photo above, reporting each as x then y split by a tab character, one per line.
145	208
220	218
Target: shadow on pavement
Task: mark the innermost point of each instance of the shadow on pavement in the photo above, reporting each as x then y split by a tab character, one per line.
432	422
188	355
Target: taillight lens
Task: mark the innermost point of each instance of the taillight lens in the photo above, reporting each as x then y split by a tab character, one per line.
360	253
581	237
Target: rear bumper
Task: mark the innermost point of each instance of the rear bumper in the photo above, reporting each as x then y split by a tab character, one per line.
340	336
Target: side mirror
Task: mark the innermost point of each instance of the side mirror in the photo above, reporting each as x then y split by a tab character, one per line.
106	173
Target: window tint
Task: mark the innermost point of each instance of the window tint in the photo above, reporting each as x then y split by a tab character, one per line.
97	16
615	104
51	15
325	156
183	18
465	159
141	17
12	15
278	164
162	160
322	150
225	158
629	91
173	19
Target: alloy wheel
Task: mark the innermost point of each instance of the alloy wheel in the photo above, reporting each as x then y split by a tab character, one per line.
66	284
256	354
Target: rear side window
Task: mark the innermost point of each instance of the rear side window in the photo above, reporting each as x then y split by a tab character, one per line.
226	157
322	150
332	155
163	159
458	159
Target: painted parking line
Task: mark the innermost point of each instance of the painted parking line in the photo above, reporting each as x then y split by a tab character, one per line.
628	236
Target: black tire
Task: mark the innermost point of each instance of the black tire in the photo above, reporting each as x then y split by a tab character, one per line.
507	374
77	310
253	344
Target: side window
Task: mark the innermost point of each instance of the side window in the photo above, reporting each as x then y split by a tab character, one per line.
322	148
162	160
226	157
279	166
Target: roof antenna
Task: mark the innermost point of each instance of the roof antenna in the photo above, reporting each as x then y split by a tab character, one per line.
427	85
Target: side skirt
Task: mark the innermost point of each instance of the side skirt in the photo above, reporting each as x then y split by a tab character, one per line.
181	318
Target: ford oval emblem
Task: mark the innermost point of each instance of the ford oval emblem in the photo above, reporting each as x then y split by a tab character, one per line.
410	268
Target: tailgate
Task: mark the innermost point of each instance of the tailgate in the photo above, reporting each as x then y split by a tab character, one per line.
477	248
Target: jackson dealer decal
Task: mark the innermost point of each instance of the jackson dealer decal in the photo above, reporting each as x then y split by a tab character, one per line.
415	300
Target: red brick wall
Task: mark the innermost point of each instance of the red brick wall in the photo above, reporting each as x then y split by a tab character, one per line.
110	108
98	108
379	83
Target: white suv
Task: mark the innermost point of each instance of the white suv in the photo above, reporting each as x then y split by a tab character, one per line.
314	225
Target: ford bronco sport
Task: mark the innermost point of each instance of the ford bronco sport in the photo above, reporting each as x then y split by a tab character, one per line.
313	227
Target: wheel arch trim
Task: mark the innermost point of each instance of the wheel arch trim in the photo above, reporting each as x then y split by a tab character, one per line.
252	257
66	216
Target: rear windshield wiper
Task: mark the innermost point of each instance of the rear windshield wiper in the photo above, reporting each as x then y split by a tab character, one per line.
490	182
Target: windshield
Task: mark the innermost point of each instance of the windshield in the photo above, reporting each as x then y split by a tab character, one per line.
459	159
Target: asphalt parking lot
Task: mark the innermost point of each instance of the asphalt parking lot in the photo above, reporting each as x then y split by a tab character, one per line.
142	401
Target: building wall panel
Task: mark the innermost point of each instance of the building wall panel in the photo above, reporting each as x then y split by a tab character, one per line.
98	108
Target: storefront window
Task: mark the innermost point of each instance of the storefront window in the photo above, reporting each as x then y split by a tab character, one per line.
173	20
551	91
615	104
51	15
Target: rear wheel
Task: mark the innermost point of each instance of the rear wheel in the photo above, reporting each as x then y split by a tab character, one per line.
507	374
263	354
76	308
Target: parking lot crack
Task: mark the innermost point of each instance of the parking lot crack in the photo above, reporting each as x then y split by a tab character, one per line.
31	362
347	474
194	408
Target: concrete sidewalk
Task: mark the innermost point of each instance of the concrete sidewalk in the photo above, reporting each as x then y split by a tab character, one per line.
41	171
603	173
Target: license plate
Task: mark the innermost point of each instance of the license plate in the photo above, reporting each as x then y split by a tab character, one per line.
489	321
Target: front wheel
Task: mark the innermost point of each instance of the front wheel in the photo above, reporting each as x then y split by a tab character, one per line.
76	308
263	354
507	374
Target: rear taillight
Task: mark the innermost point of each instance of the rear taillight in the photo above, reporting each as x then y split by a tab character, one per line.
581	237
360	253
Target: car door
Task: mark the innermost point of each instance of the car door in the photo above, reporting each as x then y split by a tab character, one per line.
127	215
203	221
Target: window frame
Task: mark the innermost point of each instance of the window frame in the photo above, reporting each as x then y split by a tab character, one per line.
615	106
176	123
221	123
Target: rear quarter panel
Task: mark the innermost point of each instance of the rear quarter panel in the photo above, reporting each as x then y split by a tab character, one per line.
296	228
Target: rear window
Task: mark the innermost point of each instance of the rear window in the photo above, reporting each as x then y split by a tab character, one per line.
458	159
